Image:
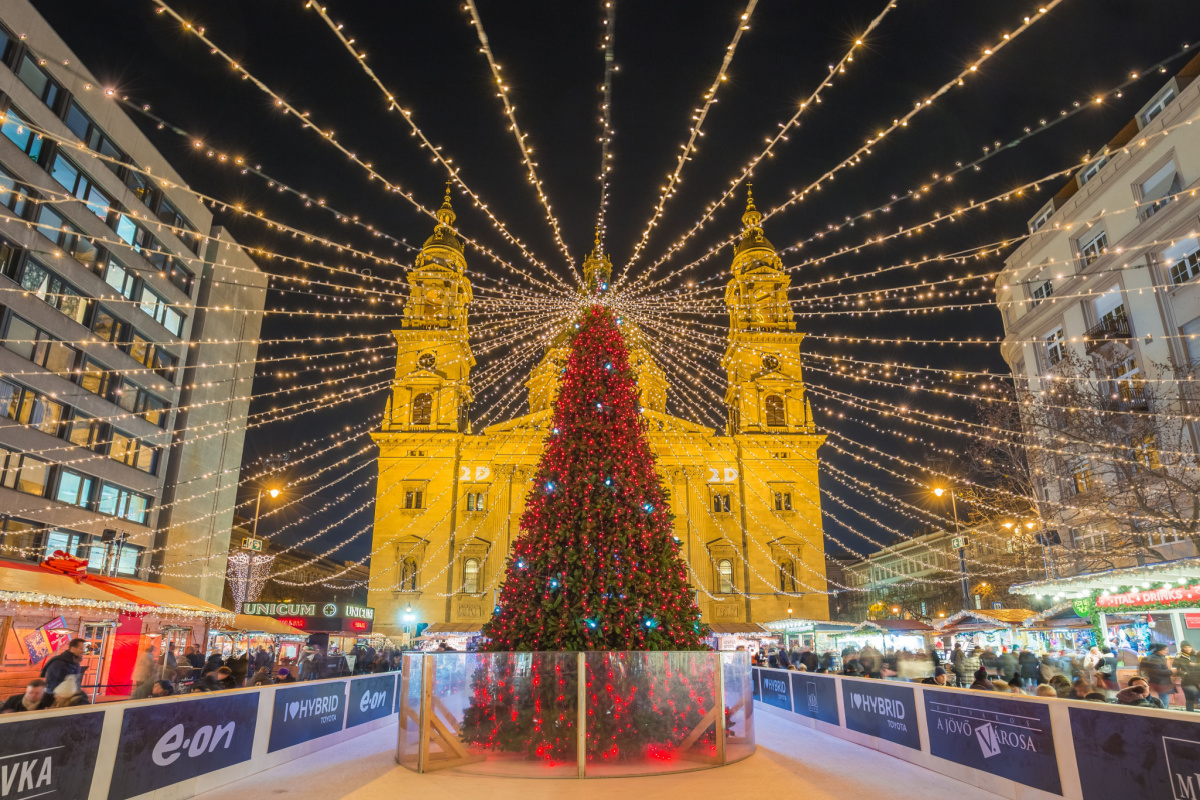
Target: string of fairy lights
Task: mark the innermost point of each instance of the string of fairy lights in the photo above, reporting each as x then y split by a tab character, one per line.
681	333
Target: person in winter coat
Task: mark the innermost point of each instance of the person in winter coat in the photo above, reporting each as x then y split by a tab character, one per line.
240	668
263	660
214	663
59	667
1157	672
981	681
217	681
1028	664
1006	666
68	693
34	698
261	677
1106	670
970	664
284	676
1138	694
1187	667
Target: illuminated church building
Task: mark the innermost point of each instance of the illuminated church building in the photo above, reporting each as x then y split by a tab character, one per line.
746	503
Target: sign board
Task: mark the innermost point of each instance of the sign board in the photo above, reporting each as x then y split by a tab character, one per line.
51	756
250	543
996	604
172	741
1136	756
959	542
1009	738
757	683
370	698
1191	620
1153	597
883	709
815	696
307	712
317	617
776	691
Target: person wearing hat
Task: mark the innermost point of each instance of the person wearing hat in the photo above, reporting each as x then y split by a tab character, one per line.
284	676
1157	672
938	679
981	681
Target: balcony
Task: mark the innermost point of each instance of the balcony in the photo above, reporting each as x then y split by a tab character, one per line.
1128	398
1109	330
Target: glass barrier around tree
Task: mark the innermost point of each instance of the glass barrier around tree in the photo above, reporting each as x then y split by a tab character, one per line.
520	713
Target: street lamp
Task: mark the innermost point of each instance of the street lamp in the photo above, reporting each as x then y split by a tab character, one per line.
408	618
273	492
962	551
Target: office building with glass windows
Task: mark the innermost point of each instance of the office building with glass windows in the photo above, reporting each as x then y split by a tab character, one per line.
129	324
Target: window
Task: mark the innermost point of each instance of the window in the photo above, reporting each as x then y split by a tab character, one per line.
153	355
39	347
1040	220
1081	477
422	409
1090	170
162	312
186	232
720	502
476	501
787	576
724	576
38	80
7	44
142	186
1184	260
776	417
412	498
12	194
67	542
1094	247
471	576
1126	376
68	237
17	131
108	327
1191	340
25	473
1040	293
1158	105
97	378
74	489
47	286
82	126
1145	452
783	500
120	279
118	502
133	452
178	274
1160	189
137	400
85	431
76	181
1055	346
31	408
408	575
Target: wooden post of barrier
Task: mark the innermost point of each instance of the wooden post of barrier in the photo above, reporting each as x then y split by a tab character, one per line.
581	715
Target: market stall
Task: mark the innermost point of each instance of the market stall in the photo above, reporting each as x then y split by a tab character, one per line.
995	628
809	634
454	635
887	634
749	635
248	632
1065	626
46	605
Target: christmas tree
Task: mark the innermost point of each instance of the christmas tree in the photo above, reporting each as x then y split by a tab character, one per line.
597	567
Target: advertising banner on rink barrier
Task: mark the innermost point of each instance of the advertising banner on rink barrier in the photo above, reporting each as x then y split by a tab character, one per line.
306	712
54	756
1132	755
757	682
815	696
172	741
370	698
776	690
1009	738
884	709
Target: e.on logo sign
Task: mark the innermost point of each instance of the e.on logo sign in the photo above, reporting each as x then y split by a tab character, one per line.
206	739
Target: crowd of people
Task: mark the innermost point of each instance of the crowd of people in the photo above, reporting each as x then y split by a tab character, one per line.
1090	674
174	673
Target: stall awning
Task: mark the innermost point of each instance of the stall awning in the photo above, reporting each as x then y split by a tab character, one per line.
727	628
443	629
252	623
65	583
1185	570
807	626
912	627
990	620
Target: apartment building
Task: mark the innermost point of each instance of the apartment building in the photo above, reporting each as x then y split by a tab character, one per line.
129	324
1101	309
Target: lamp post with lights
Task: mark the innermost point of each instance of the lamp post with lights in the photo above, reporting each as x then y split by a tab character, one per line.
962	550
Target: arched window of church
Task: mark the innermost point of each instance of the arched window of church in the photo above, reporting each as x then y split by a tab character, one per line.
422	409
408	575
471	576
775	413
725	576
787	576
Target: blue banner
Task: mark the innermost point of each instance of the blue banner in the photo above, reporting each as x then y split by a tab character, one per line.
173	740
306	712
52	755
370	698
883	709
989	732
1131	755
757	682
776	691
815	696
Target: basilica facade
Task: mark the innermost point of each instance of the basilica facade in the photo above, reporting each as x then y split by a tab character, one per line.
746	499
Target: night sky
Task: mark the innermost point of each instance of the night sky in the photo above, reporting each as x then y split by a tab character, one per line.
668	53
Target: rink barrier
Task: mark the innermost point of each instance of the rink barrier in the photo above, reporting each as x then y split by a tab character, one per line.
177	747
1013	746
